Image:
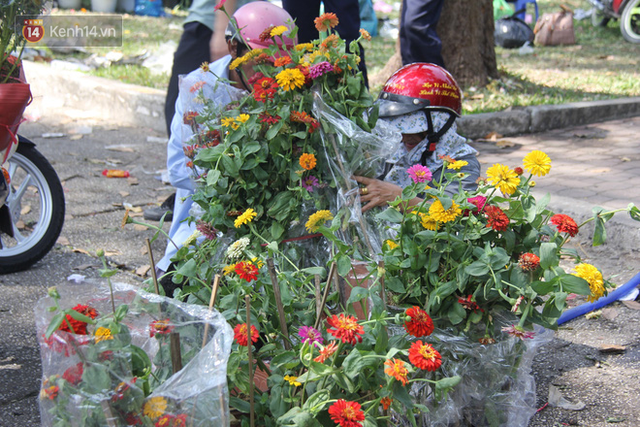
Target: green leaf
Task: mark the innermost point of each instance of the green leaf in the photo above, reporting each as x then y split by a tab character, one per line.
239	404
456	313
55	323
357	294
276	230
401	395
390	214
230	166
634	212
561	299
542	288
140	362
574	284
548	255
212	177
448	383
189	268
477	268
353	364
599	232
298	417
395	284
344	265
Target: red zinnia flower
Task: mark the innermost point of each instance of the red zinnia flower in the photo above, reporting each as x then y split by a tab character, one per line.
496	218
50	392
268	118
73	374
246	271
565	224
240	334
468	304
528	262
257	76
160	327
326	352
266	34
424	356
346	414
420	324
76	326
346	329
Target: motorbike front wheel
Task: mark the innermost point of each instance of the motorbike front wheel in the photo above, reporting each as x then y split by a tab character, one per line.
33	213
630	21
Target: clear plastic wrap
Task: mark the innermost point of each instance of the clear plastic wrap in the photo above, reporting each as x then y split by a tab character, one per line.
366	157
497	387
93	377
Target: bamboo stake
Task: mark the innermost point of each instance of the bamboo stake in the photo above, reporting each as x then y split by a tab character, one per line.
332	272
247	300
176	354
108	414
278	296
153	267
214	293
318	296
383	292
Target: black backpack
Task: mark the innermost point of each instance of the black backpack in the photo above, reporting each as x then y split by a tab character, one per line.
512	32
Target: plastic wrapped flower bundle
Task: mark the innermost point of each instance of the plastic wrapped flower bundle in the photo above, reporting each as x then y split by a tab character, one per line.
487	266
106	367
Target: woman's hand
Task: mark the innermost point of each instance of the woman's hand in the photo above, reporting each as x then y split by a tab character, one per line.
376	192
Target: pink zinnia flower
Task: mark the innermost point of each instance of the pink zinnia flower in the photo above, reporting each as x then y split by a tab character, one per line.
207	230
320	69
309	183
419	173
518	331
310	335
219	5
478	202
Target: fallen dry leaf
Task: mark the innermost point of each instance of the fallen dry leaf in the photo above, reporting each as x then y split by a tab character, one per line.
143	250
610	313
492	136
112	253
139	227
612	348
124	193
505	143
142	271
136	214
136	209
20	225
81	251
635	305
25	209
83	267
120	148
63	241
132	181
76	137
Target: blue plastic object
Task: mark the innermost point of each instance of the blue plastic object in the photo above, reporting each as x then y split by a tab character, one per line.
613	296
149	8
522	4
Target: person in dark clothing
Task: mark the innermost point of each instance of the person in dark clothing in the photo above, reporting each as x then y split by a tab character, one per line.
419	41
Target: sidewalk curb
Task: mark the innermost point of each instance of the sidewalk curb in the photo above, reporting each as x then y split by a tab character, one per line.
124	104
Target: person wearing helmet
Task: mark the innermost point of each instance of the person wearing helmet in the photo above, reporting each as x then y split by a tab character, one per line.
422	102
223	86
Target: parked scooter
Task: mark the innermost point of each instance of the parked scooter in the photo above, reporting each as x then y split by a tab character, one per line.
627	11
31	207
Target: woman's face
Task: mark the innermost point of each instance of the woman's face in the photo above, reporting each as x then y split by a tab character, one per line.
410	140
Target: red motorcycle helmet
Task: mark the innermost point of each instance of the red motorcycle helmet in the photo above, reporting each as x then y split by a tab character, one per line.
420	86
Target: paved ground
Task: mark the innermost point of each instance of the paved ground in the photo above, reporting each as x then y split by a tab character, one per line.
592	165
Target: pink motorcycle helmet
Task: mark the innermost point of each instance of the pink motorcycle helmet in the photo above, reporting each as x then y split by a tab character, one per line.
255	17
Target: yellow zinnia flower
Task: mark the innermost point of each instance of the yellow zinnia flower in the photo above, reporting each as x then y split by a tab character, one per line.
227	121
318	219
103	334
391	244
290	79
500	176
154	407
242	118
292	380
237	62
278	31
304	46
537	162
457	165
228	269
591	274
428	222
438	213
246	217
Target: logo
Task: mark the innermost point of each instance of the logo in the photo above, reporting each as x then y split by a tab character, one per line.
33	30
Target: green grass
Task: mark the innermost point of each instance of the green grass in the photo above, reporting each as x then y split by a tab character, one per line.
602	65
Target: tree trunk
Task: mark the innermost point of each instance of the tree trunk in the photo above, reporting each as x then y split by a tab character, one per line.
466	30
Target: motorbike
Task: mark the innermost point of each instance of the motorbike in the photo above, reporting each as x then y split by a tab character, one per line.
32	206
626	11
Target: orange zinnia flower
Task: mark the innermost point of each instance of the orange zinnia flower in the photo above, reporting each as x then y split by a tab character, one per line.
308	161
424	356
282	61
529	262
496	218
420	324
240	334
397	370
386	402
565	224
326	21
326	352
346	414
346	329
